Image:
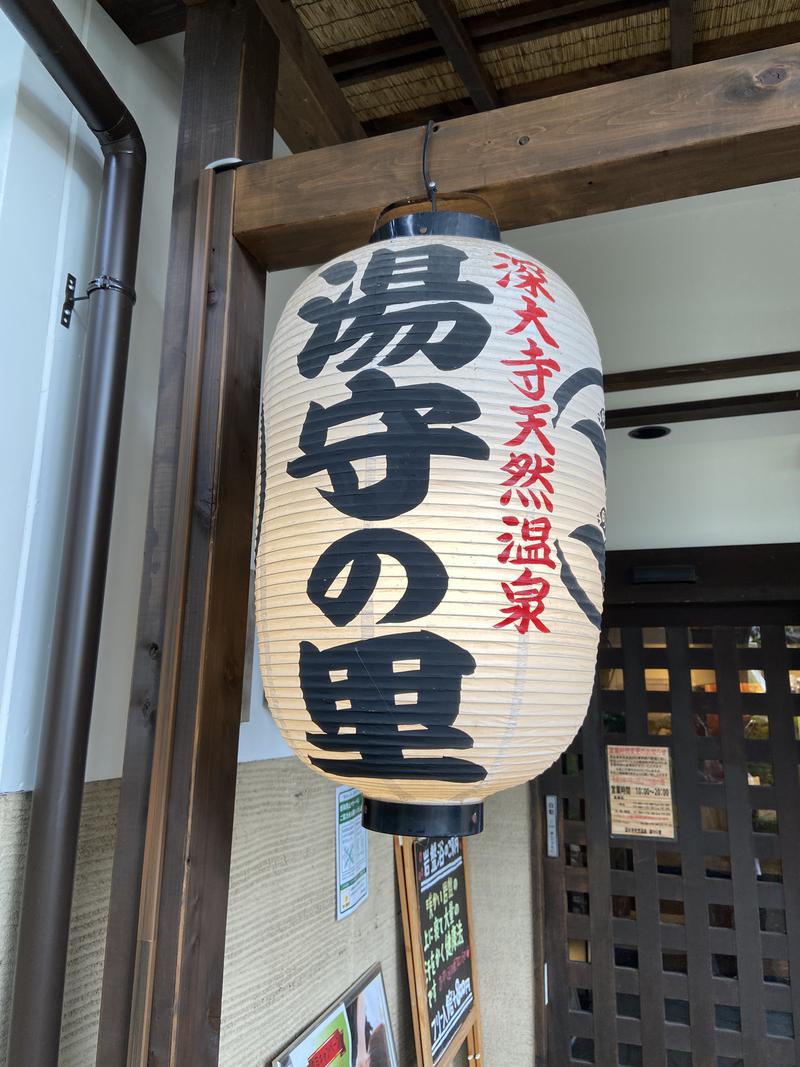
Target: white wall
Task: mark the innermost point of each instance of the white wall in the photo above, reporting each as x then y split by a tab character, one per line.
50	172
49	184
710	277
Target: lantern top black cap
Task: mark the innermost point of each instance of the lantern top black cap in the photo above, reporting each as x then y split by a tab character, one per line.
438	224
422	820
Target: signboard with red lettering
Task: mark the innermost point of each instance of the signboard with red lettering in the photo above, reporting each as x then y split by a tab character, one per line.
355	1031
436	908
640	791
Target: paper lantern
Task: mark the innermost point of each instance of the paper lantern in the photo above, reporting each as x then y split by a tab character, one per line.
431	550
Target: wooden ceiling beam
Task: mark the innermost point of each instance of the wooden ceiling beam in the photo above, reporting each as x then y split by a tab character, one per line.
711	370
310	109
588	77
722	407
541	89
681	32
459	49
493	29
698	129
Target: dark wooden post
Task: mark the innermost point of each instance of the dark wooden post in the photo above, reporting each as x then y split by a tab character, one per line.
187	679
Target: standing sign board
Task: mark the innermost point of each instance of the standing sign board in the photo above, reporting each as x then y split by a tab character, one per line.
640	791
437	924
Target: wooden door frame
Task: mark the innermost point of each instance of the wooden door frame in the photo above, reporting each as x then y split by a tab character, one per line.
303	210
162	981
659	587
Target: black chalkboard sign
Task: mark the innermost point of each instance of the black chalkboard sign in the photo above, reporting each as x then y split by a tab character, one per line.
435	894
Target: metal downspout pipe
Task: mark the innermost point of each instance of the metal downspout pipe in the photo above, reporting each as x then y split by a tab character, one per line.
55	813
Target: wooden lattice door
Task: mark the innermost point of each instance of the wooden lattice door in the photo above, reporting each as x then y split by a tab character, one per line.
681	953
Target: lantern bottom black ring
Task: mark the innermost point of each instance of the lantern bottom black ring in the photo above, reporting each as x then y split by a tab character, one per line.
422	820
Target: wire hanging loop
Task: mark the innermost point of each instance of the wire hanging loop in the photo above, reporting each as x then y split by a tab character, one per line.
430	184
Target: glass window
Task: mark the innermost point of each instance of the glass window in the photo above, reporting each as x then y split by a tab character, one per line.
703	680
711	771
765	820
656	679
611	678
756	727
706	724
581	1049
671	911
776	971
753	682
748	637
623	907
628	1004
727	1017
723	966
718	866
760	773
676	1011
659	723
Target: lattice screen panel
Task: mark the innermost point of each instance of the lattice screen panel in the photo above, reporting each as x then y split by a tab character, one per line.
682	953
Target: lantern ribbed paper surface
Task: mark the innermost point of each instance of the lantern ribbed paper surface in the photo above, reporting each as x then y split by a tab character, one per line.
430	558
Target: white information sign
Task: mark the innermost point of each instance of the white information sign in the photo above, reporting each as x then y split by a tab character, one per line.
352	873
640	791
552	825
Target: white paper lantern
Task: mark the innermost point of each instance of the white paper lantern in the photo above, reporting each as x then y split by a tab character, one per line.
431	549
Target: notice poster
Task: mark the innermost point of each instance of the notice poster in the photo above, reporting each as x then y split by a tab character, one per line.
352	871
355	1032
640	791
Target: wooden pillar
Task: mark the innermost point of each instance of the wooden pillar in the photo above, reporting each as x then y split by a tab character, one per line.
162	984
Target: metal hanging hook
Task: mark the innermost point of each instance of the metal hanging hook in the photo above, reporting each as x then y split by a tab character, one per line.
430	184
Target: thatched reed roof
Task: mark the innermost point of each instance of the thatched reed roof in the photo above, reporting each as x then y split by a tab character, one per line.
388	87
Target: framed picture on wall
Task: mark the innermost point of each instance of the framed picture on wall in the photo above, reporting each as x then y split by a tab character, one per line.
356	1031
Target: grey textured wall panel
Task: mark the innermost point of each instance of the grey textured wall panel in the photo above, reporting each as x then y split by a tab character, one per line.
89	915
286	956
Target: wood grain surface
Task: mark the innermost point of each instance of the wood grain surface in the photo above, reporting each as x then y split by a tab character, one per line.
733	122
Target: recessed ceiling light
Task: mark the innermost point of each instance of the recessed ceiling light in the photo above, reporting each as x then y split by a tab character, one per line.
649	433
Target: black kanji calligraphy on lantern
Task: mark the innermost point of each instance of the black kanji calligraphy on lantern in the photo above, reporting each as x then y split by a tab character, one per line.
422	286
359	553
361	712
429	572
420	422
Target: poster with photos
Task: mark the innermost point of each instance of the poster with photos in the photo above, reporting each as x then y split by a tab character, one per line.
356	1031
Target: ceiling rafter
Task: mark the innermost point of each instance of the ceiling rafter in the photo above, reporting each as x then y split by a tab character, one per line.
493	29
681	32
310	108
460	50
723	407
313	112
710	370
